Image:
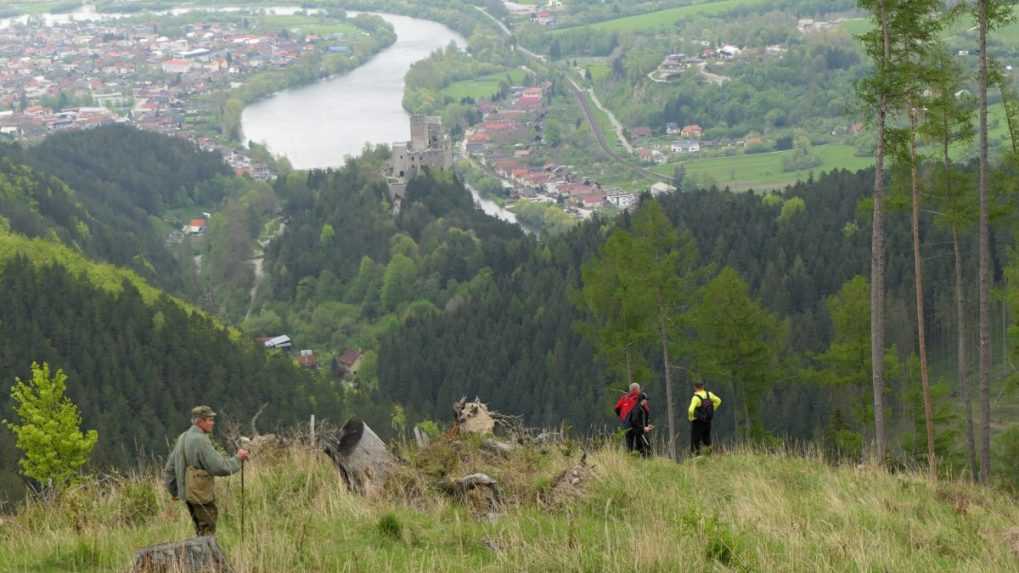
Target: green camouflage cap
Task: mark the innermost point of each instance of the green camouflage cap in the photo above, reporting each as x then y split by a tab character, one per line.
202	412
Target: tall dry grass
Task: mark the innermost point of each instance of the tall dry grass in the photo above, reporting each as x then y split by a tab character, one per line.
743	510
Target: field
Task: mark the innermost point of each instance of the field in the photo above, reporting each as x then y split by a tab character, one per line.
483	87
664	18
736	511
764	170
311	25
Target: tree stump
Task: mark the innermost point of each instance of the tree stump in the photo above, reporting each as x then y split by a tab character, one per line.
195	555
473	417
361	456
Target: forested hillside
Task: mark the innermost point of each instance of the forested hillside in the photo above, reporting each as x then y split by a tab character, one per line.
136	366
347	268
516	342
114	184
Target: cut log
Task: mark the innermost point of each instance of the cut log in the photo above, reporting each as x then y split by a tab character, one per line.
478	490
195	555
361	456
503	449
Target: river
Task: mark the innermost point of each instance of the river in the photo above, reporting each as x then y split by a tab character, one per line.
316	126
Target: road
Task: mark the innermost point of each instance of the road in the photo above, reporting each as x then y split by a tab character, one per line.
612	118
599	137
505	29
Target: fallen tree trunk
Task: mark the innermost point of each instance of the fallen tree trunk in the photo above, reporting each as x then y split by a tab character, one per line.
195	555
361	456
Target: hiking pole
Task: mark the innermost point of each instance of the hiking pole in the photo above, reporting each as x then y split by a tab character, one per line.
243	442
242	502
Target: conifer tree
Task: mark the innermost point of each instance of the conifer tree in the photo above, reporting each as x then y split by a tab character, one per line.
950	120
990	15
49	432
921	22
737	342
879	92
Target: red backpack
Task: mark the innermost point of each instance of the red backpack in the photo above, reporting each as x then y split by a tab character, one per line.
625	404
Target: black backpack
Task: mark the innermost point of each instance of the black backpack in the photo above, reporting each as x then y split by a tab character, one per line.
706	410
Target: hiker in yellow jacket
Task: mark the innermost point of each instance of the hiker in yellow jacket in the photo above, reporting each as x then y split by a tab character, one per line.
702	409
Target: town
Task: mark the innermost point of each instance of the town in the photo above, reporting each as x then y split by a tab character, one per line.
156	75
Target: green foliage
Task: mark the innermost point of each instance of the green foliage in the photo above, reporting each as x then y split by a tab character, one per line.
790	208
620	324
139	503
48	430
738	341
122	179
326	236
389	527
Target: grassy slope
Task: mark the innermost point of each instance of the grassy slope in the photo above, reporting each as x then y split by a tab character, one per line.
311	25
735	512
483	87
103	275
764	170
665	18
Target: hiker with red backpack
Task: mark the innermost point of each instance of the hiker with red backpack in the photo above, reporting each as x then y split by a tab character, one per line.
634	413
702	409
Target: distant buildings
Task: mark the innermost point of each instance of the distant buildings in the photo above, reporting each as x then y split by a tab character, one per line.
686	146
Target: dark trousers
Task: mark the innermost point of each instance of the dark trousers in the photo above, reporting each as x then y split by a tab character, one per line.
700	435
204	516
637	442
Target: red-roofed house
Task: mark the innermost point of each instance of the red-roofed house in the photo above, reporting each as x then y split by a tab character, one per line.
307	359
505	167
176	66
693	130
196	227
347	363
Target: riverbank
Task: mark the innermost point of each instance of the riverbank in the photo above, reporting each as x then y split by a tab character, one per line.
317	125
308	70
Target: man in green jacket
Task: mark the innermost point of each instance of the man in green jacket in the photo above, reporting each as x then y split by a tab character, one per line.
191	469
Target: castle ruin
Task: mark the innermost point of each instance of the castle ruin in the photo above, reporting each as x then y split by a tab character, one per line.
429	147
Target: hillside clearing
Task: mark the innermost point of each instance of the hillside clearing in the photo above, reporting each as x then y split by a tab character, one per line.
764	170
741	511
663	18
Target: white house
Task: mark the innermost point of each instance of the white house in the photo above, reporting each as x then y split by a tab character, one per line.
622	200
686	146
282	341
176	66
729	51
661	188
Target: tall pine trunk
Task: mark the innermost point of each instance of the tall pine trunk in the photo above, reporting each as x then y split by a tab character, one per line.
985	257
928	410
960	315
877	271
967	401
664	334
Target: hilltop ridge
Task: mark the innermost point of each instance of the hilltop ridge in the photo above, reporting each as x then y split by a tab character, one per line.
738	511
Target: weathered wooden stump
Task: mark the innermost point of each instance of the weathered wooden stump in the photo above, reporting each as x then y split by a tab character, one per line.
361	456
195	555
473	417
477	490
